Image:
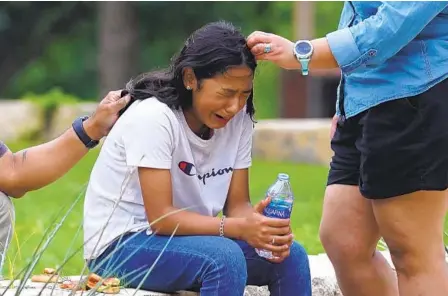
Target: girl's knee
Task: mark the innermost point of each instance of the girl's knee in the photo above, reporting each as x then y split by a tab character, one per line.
299	256
228	256
226	264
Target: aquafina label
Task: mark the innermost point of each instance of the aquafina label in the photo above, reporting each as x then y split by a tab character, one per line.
282	200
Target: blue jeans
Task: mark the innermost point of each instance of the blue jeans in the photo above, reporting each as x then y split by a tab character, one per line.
213	265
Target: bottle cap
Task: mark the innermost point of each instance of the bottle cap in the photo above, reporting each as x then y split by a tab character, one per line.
283	176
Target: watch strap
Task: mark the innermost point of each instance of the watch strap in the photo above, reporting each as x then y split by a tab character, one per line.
304	65
78	127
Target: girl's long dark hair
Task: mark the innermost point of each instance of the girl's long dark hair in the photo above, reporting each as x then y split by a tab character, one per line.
209	51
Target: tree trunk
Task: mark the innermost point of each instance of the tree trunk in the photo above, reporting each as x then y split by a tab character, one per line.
118	44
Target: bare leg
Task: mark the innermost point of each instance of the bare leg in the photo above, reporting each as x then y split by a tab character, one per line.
349	234
412	226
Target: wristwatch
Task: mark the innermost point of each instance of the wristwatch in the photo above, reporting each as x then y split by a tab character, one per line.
78	127
303	50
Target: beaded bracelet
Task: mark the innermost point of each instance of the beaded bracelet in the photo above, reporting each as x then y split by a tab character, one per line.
221	226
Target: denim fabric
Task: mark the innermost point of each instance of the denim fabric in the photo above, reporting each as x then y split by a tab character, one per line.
7	217
212	265
389	50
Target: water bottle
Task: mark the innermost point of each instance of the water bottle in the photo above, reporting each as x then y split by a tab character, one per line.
280	206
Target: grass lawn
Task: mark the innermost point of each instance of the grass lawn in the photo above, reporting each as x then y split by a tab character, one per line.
38	210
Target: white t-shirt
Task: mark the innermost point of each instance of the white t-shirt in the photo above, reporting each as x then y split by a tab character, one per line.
150	134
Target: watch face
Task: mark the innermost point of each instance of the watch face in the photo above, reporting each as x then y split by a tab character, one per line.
303	48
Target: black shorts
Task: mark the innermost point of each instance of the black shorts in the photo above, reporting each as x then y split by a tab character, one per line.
395	148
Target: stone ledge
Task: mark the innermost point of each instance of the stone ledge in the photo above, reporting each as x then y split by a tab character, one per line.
65	115
293	140
18	119
322	273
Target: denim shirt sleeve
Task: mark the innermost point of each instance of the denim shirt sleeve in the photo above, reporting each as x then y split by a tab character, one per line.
381	36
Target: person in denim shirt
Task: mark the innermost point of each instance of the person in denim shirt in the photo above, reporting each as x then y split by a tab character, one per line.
389	173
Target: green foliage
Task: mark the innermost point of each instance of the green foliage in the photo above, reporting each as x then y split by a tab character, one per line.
327	16
28	29
69	63
266	91
51	99
48	103
70	60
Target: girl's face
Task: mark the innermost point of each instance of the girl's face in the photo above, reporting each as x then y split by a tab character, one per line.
218	99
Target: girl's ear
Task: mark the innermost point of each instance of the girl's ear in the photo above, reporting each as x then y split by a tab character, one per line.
189	79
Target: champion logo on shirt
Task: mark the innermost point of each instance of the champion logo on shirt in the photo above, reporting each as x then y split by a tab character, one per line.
190	170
